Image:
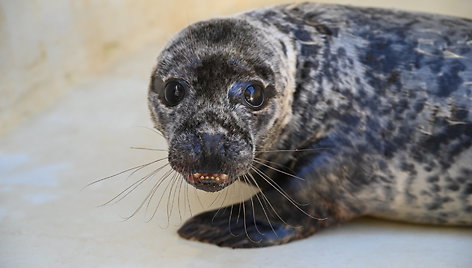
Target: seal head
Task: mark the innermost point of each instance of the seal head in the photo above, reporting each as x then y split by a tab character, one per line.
215	104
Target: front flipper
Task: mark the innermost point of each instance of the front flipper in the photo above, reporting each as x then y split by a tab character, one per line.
226	229
267	219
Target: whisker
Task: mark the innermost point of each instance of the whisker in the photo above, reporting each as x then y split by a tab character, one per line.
226	196
133	186
150	195
177	183
160	200
188	200
154	189
294	150
274	163
153	130
138	169
178	199
229	221
149	149
214	200
124	171
278	170
246	179
274	184
198	197
250	177
221	205
170	209
283	193
264	197
245	224
240	202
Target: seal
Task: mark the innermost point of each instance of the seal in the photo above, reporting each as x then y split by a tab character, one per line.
333	111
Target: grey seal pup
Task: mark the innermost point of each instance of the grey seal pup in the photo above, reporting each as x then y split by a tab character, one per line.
333	111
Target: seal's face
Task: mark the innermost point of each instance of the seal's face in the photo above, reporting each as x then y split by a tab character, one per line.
215	96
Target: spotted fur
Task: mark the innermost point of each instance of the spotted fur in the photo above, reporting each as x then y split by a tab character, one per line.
377	102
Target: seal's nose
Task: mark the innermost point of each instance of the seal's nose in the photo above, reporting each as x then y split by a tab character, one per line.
213	152
211	143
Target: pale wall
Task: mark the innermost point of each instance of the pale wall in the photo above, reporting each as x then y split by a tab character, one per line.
48	46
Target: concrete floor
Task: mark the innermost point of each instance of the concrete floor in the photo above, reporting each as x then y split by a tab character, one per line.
48	218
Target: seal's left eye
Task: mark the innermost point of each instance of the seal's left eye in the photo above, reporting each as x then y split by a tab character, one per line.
254	96
174	92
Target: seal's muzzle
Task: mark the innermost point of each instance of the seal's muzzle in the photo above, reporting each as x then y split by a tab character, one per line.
210	162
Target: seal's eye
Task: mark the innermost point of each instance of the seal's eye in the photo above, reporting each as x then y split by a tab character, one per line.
174	92
254	96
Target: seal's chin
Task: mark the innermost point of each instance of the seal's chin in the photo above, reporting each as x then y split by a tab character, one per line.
210	182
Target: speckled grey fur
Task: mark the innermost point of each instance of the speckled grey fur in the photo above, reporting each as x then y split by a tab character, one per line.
386	97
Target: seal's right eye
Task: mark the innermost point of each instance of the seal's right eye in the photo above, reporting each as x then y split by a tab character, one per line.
254	96
174	92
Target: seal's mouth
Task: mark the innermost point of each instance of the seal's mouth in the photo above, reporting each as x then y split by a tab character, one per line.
210	182
219	177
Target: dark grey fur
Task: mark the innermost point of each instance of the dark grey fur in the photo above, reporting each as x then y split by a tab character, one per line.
386	97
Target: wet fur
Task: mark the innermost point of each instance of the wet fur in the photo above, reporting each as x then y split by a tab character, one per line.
384	99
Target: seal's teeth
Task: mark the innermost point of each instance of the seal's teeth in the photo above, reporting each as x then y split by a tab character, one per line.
218	177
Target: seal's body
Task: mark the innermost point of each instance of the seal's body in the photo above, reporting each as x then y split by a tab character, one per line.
333	111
